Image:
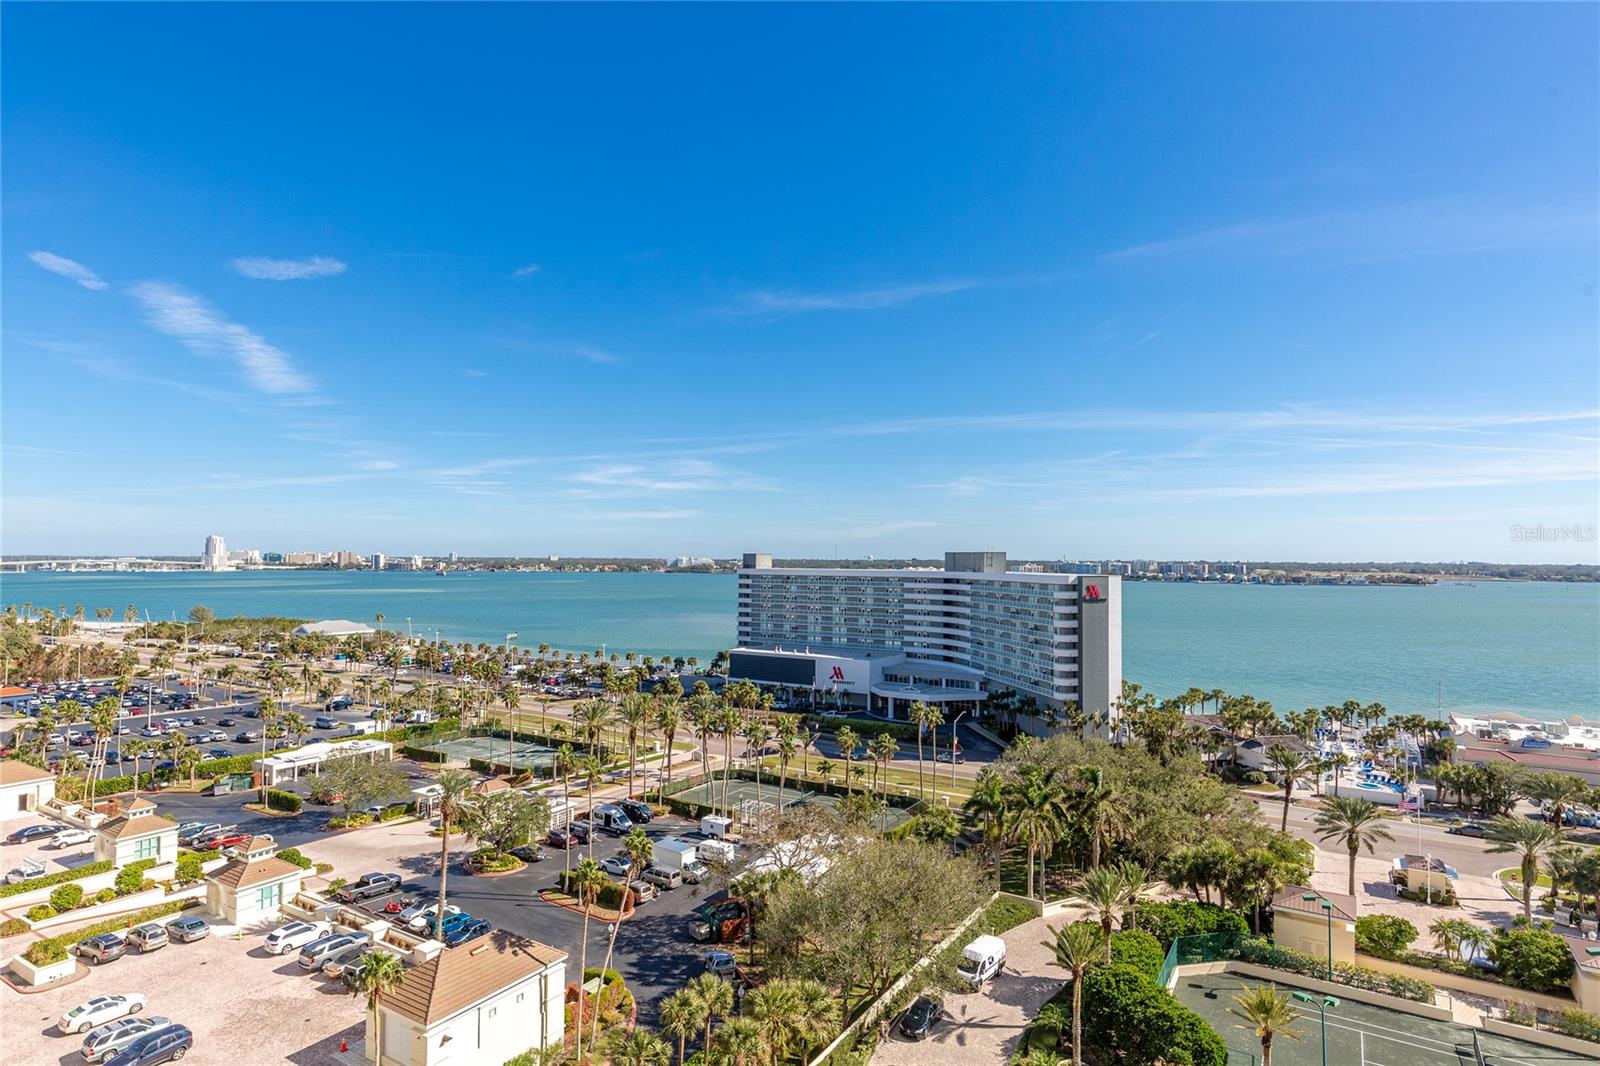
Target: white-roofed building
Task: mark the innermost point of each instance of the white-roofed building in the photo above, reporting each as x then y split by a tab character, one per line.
333	627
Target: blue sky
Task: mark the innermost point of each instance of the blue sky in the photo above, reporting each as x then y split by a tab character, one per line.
1273	282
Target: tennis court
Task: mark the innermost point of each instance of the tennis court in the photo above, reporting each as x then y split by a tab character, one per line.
748	802
518	754
1359	1034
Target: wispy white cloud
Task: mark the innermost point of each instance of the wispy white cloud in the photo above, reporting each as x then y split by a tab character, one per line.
179	313
665	514
526	271
68	268
474	372
318	266
869	299
668	475
378	465
595	355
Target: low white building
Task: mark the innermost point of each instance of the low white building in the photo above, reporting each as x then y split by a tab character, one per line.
133	832
23	788
486	1001
293	765
333	627
253	887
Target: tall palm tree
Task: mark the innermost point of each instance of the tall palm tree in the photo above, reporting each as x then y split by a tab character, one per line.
847	740
640	1047
1097	808
1357	823
883	749
714	997
269	715
591	716
703	710
1295	766
1102	892
988	803
591	769
1136	887
1268	1012
669	719
585	883
634	714
1558	791
744	1041
455	797
1531	842
378	975
1077	947
1036	808
562	763
926	717
680	1014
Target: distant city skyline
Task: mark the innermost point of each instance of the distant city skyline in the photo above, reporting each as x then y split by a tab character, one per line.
1096	282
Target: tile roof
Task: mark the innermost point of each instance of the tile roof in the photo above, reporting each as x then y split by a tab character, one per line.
16	772
1586	952
1292	898
139	825
242	874
458	977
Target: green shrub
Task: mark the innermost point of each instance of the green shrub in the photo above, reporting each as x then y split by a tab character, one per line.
1519	1013
105	895
130	878
393	813
66	897
1128	1019
1001	915
54	949
350	821
279	800
75	874
190	868
490	861
1264	953
1384	935
610	895
40	911
1535	959
337	883
13	927
324	867
1137	948
1168	921
1585	1025
293	855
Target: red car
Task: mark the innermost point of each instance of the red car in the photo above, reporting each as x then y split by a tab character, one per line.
222	840
560	838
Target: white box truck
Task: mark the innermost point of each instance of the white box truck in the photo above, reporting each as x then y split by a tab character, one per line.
715	826
682	857
981	960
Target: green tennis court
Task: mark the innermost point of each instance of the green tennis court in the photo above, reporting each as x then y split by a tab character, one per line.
522	756
743	796
1359	1034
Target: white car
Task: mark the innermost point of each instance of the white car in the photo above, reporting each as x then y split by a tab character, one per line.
295	935
615	865
98	1011
70	837
424	921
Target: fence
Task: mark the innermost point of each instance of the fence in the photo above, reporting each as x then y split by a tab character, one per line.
1196	949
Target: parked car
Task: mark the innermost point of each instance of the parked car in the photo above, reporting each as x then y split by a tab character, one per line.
188	929
324	722
246	737
919	1019
561	838
663	878
218	753
112	1037
423	922
580	831
615	865
99	950
529	852
454	922
721	963
166	1044
349	956
367	886
148	937
469	930
26	870
32	832
192	832
945	756
225	839
71	837
292	936
314	954
637	810
1469	829
98	1011
225	722
643	891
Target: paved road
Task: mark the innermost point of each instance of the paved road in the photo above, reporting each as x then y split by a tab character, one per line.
1466	854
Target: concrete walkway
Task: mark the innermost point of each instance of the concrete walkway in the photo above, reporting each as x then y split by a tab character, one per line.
983	1027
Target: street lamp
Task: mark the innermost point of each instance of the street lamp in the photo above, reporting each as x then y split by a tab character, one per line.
1322	1003
953	723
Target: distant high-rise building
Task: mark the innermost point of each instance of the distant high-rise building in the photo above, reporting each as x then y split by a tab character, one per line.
452	557
215	556
377	560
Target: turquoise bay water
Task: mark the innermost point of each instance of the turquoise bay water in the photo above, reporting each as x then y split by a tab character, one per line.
1529	647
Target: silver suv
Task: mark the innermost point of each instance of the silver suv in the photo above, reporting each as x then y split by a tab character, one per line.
112	1037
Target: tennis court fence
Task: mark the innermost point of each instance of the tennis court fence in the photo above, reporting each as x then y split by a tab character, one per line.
1196	949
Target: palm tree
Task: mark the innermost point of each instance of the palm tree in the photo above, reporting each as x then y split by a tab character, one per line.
744	1040
585	883
680	1014
634	714
714	998
637	1048
379	975
1267	1011
847	740
1077	947
1102	892
562	763
1531	842
1036	807
591	769
1294	766
669	719
926	717
988	804
883	749
1097	808
455	797
1136	887
1558	791
1356	822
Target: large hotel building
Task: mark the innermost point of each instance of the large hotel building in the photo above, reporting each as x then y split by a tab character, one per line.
884	639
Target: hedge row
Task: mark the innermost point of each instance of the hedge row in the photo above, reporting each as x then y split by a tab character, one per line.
866	728
74	874
279	800
1265	953
54	949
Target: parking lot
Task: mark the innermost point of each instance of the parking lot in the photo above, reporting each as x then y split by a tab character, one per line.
653	951
243	986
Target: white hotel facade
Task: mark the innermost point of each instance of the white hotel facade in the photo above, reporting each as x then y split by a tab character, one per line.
884	639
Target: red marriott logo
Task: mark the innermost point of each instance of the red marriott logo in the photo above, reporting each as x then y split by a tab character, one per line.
1092	593
837	675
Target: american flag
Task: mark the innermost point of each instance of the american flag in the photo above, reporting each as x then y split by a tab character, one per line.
1408	803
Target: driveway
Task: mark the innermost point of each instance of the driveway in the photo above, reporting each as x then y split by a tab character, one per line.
984	1027
243	1005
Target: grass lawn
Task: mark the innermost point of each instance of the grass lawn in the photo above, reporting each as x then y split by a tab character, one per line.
901	782
1514	877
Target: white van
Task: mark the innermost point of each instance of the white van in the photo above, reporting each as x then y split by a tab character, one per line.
981	960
